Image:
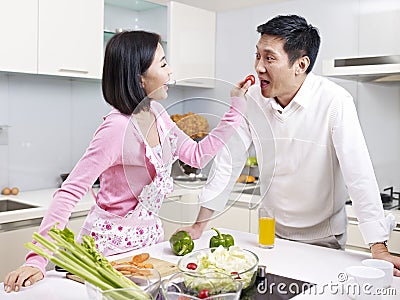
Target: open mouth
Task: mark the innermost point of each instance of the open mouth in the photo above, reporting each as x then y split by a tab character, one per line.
264	83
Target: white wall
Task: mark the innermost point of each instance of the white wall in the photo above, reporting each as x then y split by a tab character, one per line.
338	22
52	120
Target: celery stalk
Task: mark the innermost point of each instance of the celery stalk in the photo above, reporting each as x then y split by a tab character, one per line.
83	260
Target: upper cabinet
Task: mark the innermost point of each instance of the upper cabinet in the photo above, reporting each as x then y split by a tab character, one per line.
70	38
67	37
188	35
191	45
18	19
63	37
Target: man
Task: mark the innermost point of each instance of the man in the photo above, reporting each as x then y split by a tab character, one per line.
309	147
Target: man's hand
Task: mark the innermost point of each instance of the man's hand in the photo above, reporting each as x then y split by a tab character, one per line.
379	251
196	230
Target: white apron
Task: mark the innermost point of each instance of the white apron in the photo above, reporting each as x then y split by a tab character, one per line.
141	227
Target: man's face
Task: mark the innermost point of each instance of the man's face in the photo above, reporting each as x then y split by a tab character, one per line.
277	77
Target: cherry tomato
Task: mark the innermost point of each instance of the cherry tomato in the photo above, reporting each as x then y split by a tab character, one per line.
251	78
191	266
203	294
236	273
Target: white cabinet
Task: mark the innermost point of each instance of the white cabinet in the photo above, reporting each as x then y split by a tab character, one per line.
70	38
356	241
12	240
18	21
191	45
170	216
182	210
63	37
188	35
234	217
178	211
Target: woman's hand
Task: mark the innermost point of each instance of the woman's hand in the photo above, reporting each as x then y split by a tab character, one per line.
241	88
23	276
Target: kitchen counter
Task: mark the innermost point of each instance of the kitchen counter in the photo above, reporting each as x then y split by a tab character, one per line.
42	199
318	265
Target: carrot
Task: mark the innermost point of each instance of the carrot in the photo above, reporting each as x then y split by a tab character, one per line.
140	258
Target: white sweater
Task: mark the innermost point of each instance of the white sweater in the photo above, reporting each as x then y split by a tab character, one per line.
307	153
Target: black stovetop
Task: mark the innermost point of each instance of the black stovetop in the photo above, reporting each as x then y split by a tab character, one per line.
275	287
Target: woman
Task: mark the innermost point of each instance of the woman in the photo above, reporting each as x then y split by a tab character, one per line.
132	153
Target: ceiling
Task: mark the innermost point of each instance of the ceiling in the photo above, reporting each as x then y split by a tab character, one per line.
220	5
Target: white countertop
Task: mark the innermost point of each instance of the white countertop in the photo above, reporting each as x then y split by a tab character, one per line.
309	263
43	198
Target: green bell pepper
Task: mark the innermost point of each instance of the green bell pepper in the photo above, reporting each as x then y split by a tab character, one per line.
181	243
225	240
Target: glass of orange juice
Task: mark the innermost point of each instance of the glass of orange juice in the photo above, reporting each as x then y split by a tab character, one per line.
266	227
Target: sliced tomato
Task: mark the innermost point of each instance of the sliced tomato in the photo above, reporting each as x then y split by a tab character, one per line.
251	78
191	266
203	294
237	275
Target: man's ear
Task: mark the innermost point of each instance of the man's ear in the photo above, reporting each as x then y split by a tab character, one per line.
302	65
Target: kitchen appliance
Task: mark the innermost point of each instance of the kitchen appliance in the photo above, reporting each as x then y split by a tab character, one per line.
366	68
390	201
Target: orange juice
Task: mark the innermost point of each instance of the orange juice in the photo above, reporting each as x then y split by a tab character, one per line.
266	232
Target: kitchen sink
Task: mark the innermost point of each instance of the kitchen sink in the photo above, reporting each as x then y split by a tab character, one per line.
10	205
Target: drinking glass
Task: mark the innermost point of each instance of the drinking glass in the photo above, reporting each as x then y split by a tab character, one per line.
266	227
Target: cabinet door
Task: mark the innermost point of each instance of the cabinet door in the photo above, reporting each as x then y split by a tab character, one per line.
234	217
18	21
356	240
71	38
12	250
170	215
191	45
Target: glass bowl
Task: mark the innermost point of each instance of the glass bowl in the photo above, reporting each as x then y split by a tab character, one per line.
148	280
194	286
240	264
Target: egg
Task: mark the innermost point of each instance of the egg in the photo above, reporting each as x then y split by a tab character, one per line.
14	191
6	191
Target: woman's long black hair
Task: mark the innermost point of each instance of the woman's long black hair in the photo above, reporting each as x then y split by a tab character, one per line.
128	55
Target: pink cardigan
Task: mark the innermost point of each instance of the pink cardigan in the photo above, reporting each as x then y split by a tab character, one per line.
107	159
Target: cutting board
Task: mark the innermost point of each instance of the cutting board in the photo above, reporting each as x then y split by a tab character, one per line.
165	268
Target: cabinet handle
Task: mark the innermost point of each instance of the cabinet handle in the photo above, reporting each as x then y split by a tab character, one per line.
74	71
193	81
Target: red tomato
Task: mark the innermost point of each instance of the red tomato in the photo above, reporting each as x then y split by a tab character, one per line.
203	294
251	78
191	266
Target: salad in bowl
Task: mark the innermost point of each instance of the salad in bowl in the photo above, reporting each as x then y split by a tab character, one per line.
240	264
